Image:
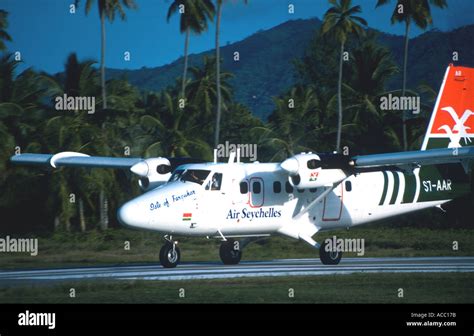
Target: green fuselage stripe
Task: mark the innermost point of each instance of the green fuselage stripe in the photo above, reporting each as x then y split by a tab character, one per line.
396	184
385	186
410	188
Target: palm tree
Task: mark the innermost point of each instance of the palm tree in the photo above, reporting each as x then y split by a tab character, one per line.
176	132
285	135
370	68
77	131
107	10
7	77
72	131
341	22
193	19
238	123
3	26
21	112
69	132
407	11
79	78
203	89
21	101
218	72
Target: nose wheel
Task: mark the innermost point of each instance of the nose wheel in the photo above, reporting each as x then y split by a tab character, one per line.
170	254
230	252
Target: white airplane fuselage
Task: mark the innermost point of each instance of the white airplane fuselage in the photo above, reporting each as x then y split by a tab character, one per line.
257	200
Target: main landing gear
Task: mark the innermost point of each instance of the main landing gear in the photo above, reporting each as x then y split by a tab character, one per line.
329	257
230	252
170	254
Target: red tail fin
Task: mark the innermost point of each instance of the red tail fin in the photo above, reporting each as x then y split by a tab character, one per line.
452	121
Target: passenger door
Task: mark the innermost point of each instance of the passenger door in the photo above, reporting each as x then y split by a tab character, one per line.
333	202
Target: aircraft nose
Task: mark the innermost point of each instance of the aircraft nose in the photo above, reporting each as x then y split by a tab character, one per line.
129	214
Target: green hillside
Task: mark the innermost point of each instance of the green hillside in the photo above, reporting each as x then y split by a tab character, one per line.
266	69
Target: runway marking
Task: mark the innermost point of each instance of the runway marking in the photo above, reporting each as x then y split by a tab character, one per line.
281	267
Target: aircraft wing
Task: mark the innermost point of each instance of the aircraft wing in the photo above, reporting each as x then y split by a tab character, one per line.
417	158
70	159
74	159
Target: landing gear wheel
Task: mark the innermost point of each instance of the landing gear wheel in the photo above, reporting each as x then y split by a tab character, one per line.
170	255
230	252
329	258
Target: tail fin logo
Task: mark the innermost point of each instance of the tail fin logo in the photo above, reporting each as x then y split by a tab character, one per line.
459	130
452	121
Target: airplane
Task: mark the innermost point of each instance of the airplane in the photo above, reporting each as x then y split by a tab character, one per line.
305	194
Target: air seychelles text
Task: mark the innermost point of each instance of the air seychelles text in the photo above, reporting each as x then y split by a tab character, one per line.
252	214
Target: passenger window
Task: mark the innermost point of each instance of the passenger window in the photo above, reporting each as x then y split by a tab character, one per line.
276	187
244	187
256	187
288	187
348	186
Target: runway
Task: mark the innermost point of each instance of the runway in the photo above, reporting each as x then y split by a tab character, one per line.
203	270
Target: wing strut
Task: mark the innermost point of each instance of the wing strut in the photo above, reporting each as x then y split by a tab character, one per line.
317	199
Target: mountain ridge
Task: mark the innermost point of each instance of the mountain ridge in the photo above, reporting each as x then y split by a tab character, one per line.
266	69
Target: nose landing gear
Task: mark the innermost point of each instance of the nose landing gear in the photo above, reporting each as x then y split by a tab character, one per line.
170	254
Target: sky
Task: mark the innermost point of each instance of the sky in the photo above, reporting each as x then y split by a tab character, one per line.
45	31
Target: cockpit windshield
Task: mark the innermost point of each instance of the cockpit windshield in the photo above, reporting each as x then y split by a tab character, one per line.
195	175
176	175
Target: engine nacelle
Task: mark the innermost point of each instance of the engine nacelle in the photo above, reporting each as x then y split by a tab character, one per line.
308	170
152	172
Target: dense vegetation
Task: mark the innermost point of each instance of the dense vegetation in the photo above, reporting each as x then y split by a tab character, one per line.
154	123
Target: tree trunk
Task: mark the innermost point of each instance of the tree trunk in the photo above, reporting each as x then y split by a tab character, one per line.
57	223
186	46
82	220
102	60
405	61
218	75
339	101
104	216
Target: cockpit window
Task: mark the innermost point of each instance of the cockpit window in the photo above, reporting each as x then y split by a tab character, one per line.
195	175
215	182
176	175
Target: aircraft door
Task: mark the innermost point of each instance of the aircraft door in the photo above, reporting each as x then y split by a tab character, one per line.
213	200
240	191
332	204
